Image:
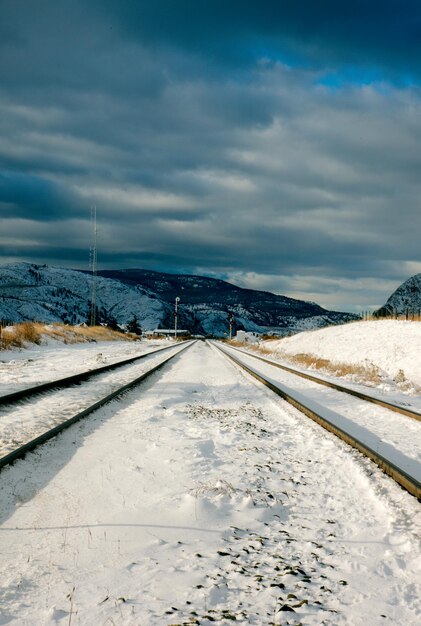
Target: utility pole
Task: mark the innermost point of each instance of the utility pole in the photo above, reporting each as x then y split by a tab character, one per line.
231	322
177	300
93	263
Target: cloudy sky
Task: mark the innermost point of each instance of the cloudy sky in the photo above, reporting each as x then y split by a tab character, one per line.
273	143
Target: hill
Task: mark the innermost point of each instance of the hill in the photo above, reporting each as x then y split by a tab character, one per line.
51	294
383	353
205	303
406	300
43	293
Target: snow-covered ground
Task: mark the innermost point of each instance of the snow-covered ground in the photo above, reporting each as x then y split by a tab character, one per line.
396	437
201	498
391	346
19	425
35	364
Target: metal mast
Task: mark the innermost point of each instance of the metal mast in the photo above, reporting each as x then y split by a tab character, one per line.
177	300
93	263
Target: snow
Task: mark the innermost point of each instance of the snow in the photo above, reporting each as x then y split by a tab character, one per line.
390	345
37	364
394	436
54	294
18	425
198	498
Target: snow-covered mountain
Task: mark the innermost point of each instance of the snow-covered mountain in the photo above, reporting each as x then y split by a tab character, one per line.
406	299
51	294
205	303
40	292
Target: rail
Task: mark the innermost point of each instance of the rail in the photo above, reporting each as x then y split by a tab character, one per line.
20	452
352	392
405	480
74	379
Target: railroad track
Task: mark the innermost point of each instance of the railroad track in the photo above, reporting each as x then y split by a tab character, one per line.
200	476
74	379
21	450
320	414
326	418
352	392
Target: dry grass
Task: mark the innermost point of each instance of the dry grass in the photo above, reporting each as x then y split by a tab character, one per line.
369	374
20	335
28	332
404	384
413	316
98	333
251	346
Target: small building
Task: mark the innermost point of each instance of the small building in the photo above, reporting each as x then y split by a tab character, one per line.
166	332
247	337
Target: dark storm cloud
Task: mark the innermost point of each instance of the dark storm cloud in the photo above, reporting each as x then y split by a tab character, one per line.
30	197
385	35
238	138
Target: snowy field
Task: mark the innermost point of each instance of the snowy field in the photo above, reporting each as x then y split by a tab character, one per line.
200	498
19	425
391	346
36	364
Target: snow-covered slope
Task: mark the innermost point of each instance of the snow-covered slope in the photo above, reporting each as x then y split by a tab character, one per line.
51	294
405	300
393	347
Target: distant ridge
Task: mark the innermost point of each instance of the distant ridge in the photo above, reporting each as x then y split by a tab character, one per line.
205	303
40	292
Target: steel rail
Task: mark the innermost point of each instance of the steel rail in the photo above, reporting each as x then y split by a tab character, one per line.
74	379
411	484
31	445
358	394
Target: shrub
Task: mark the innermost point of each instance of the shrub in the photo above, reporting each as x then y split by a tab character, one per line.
29	332
33	332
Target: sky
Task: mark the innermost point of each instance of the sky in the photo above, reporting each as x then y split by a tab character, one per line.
274	144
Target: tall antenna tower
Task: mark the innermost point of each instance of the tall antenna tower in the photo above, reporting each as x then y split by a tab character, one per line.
93	264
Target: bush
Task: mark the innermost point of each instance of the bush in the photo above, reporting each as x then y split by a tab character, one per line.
18	335
133	326
29	332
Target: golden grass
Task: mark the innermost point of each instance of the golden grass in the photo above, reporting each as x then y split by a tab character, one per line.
251	346
369	374
20	334
412	317
34	332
